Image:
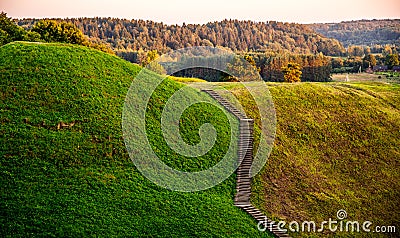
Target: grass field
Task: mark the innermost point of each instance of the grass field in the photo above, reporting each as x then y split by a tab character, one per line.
65	170
364	77
337	147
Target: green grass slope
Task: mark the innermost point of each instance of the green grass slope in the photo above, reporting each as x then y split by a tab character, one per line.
65	171
337	147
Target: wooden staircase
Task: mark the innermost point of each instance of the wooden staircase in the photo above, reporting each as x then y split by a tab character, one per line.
245	155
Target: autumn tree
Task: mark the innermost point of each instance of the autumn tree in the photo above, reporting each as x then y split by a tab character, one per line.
251	61
387	50
244	68
392	60
292	72
150	56
241	36
355	50
369	61
337	63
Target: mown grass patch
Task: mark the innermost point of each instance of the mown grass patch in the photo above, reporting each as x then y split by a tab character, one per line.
186	80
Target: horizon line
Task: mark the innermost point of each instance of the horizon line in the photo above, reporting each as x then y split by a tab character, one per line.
203	23
209	21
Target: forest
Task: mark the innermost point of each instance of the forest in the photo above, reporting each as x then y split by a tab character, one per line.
316	68
242	36
268	46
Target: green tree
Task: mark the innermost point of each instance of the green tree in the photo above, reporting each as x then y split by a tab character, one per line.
64	32
9	31
392	60
292	72
52	31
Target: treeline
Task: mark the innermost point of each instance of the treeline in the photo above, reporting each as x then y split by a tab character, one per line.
269	64
316	68
356	64
373	33
243	36
362	50
268	46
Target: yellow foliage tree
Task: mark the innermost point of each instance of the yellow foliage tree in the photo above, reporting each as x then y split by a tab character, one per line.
292	72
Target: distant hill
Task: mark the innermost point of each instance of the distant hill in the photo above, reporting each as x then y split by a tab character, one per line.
361	32
134	35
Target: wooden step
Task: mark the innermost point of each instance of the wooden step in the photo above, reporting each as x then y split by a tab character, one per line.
245	154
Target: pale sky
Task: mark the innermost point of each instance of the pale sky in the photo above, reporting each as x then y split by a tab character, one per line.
203	11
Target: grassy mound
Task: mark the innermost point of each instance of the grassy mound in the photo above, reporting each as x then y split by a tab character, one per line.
64	167
337	147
